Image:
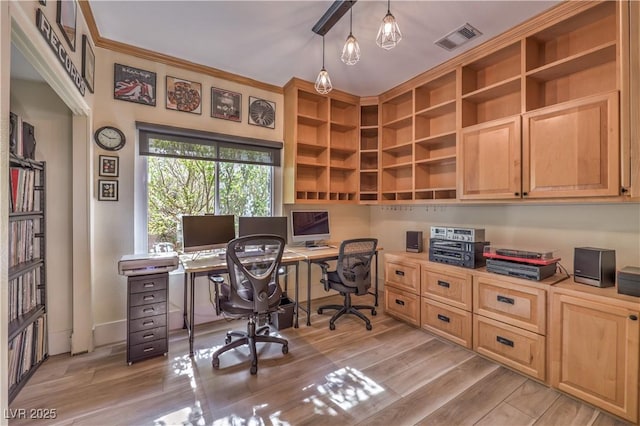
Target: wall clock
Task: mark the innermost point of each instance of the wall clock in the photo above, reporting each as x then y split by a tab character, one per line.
262	112
110	138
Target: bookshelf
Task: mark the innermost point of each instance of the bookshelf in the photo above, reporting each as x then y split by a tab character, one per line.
27	337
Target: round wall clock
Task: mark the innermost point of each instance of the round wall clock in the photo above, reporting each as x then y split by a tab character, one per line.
110	138
262	113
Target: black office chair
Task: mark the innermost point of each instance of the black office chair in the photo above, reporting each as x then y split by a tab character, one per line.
351	276
253	292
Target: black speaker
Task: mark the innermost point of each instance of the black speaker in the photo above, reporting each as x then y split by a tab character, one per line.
594	266
414	241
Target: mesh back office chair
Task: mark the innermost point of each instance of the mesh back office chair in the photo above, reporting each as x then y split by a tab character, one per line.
351	276
253	292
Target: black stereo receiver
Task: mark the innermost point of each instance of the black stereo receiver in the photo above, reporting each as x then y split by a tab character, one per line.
458	253
527	271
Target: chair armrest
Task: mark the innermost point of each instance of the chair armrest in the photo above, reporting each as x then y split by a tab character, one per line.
217	280
325	269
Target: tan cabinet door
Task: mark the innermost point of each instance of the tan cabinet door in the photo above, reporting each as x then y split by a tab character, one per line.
594	353
489	158
572	149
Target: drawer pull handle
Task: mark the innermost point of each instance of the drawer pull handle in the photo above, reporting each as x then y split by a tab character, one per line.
400	273
506	300
145	310
443	318
148	349
145	323
148	336
443	284
400	302
148	285
633	317
151	297
504	341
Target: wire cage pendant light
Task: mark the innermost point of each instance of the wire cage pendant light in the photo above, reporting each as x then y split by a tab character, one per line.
351	50
323	82
389	34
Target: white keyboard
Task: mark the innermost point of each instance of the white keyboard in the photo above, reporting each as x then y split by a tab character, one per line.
317	247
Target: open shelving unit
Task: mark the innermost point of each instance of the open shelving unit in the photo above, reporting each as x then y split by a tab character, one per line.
369	151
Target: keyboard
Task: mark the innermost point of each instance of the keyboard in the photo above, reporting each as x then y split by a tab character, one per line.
317	247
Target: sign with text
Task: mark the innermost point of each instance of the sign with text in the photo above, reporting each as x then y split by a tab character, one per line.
54	43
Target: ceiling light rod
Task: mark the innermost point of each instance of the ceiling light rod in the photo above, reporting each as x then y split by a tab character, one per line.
331	16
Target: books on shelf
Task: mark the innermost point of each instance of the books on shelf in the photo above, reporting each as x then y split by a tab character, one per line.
21	187
25	294
27	349
22	140
23	246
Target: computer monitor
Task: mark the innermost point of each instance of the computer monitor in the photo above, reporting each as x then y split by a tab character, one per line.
276	225
309	226
207	232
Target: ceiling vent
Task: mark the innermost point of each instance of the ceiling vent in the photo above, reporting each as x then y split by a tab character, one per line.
458	37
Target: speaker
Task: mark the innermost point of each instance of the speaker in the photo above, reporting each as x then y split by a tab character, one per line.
594	266
414	241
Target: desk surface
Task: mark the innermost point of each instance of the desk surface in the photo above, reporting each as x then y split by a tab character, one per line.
205	262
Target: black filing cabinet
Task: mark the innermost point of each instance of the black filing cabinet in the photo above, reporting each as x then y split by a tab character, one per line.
147	300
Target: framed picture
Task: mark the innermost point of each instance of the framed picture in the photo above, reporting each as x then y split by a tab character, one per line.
226	105
134	85
262	112
43	2
107	190
184	95
88	63
108	166
66	17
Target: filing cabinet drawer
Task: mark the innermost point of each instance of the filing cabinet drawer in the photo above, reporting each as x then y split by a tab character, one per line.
447	321
519	349
147	350
405	276
522	306
147	335
137	299
450	287
142	283
403	305
142	311
147	323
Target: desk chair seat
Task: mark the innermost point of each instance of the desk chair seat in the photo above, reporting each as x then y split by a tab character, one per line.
253	292
351	276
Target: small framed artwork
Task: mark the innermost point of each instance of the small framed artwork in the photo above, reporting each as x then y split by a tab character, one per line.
107	190
262	112
184	95
134	85
43	2
108	166
88	63
226	104
66	17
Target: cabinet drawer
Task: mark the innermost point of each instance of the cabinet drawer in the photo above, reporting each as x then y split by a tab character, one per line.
147	323
522	306
402	275
147	310
147	335
446	321
147	350
403	305
512	346
143	283
451	288
148	297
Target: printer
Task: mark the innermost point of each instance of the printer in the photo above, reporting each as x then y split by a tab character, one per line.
147	263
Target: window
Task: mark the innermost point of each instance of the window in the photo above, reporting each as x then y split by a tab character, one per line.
190	173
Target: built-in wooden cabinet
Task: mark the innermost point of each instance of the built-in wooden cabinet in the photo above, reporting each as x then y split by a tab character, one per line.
369	151
321	145
594	347
402	288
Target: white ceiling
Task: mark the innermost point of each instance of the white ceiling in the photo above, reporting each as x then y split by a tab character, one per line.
272	41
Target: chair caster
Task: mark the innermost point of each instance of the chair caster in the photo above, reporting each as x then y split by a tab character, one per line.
373	312
285	349
320	311
369	327
254	369
216	363
332	326
227	340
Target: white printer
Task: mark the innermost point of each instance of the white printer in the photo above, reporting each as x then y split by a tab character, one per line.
147	263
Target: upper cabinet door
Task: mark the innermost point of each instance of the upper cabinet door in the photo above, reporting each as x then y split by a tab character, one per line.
572	149
489	159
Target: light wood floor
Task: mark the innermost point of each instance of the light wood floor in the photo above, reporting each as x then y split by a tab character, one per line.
392	375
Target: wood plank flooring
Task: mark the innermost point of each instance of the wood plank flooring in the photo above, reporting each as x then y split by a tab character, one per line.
392	375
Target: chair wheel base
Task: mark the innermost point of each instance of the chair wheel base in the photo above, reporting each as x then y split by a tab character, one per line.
369	327
332	326
285	349
373	312
216	363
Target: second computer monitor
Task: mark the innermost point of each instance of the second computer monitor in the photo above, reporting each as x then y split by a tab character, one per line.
309	226
275	225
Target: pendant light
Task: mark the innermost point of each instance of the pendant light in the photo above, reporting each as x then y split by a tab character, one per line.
351	49
323	82
389	33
